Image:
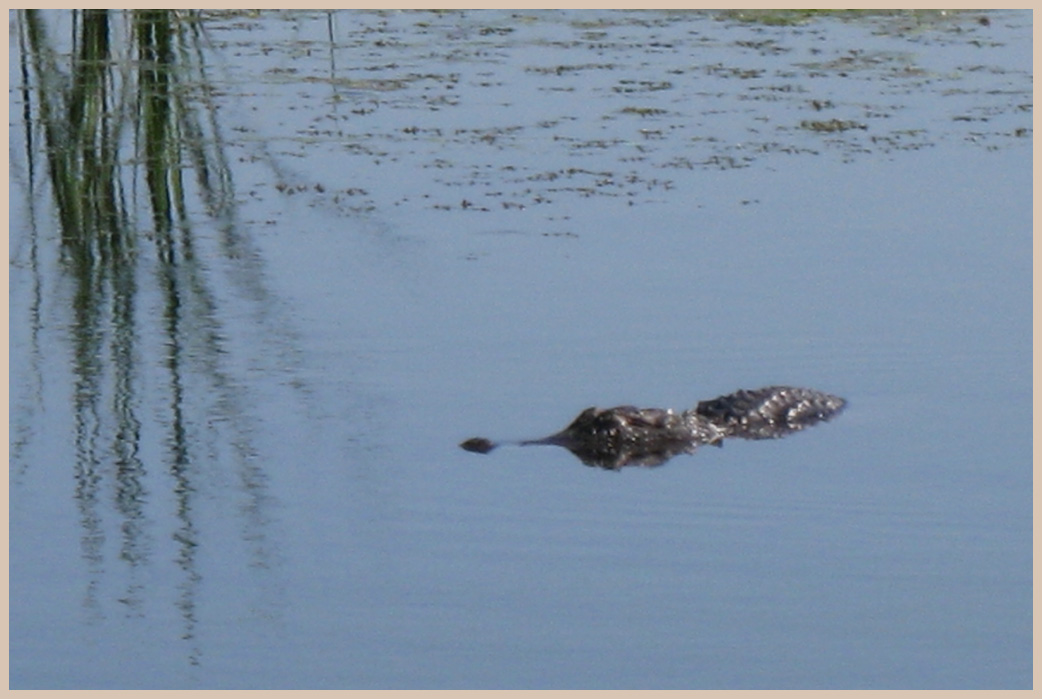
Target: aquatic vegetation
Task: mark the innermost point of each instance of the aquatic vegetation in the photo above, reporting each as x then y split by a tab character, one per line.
832	125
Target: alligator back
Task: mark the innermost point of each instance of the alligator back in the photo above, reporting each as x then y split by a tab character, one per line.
771	412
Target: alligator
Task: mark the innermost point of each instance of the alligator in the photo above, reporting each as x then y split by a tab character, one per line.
628	436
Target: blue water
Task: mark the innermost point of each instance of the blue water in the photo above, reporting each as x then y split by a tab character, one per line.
295	511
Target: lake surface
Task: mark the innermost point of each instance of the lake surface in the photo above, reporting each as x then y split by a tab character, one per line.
234	457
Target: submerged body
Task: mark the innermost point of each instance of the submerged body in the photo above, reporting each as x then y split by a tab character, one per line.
626	435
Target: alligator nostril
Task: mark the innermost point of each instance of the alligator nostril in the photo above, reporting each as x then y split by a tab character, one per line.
479	445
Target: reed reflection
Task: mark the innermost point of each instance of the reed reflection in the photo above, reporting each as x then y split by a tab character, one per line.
116	112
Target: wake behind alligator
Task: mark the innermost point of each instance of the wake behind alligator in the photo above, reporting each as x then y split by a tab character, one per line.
628	436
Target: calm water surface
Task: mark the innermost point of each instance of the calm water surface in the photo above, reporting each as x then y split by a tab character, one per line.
239	469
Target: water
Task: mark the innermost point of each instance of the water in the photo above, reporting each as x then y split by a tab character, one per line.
446	225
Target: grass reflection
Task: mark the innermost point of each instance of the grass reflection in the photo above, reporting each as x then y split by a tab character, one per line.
114	114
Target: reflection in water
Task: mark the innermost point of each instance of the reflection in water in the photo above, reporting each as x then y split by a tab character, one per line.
115	121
